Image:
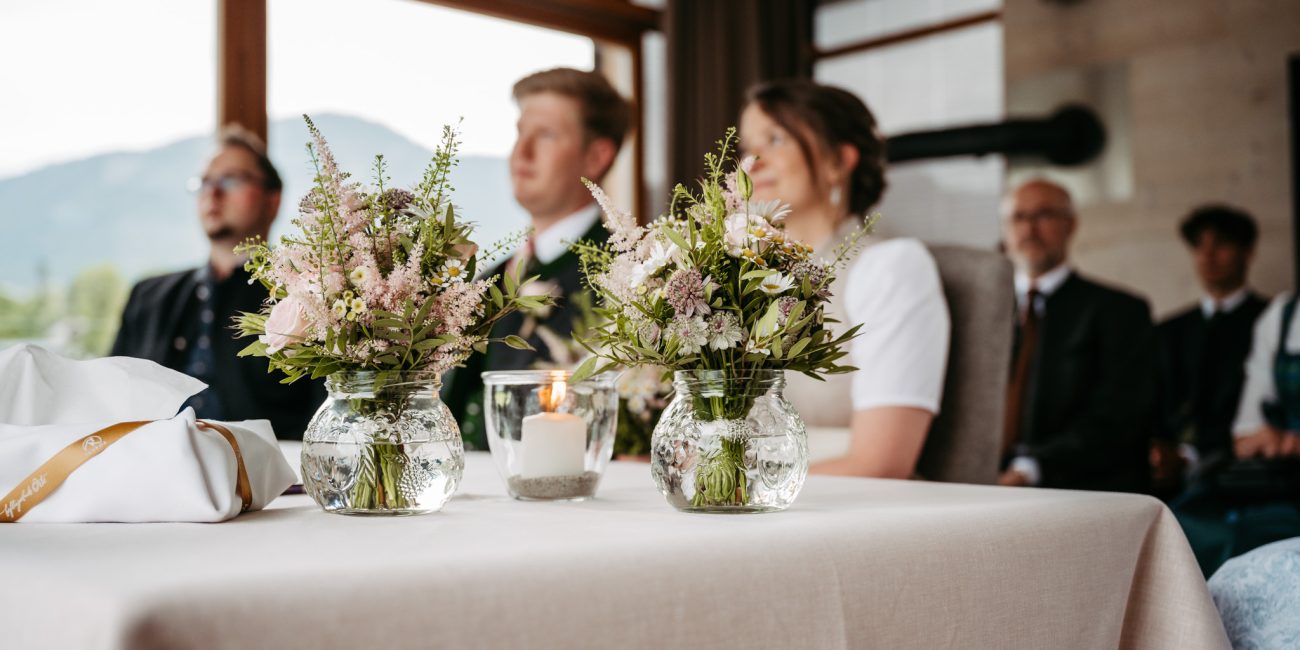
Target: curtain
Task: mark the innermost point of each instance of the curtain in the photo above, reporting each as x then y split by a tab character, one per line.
717	49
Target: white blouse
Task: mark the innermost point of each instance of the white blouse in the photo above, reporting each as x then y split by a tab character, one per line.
1260	386
892	288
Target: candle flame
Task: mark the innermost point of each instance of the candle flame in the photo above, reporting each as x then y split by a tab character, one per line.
553	396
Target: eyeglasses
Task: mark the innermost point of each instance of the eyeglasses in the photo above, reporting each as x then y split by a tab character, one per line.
1038	215
226	183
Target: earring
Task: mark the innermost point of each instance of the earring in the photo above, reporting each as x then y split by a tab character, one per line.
835	196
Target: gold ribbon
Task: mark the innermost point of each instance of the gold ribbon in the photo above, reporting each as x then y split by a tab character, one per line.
49	476
241	477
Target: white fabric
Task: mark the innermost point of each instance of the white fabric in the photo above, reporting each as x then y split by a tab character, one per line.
168	470
1260	386
895	293
1209	305
855	563
1028	467
550	244
39	387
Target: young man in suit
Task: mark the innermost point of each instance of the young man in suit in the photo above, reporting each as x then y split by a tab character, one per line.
571	126
1203	349
184	320
1081	398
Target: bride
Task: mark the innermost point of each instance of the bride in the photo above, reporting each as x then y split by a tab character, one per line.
818	149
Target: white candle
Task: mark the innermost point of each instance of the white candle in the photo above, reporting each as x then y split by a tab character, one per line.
554	444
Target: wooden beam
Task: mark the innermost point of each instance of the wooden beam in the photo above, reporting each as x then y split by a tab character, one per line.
241	64
910	34
621	65
608	20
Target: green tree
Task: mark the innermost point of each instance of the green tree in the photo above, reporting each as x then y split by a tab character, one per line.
95	302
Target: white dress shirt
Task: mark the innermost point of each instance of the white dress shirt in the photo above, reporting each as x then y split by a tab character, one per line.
550	244
902	351
1260	386
892	289
1209	305
1046	284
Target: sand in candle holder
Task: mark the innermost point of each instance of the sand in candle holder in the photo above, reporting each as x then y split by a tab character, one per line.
555	487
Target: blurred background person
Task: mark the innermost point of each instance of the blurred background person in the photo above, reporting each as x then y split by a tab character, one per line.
1080	402
819	150
184	320
1203	349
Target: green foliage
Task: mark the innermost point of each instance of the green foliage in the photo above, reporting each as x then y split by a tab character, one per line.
772	287
382	278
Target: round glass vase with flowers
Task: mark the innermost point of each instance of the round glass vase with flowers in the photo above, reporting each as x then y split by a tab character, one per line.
716	294
376	294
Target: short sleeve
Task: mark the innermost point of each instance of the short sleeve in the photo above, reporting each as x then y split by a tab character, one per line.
893	290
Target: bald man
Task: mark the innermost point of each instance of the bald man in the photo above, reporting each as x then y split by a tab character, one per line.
1080	405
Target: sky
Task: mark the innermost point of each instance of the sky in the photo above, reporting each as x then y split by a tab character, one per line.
94	76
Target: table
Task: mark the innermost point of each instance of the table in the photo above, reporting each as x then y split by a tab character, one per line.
854	563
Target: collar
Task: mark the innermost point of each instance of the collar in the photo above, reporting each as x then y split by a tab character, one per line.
1231	303
1047	283
554	241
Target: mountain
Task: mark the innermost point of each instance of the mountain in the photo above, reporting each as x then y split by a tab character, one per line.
132	210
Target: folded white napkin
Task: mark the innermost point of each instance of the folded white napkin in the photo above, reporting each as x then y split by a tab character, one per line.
167	470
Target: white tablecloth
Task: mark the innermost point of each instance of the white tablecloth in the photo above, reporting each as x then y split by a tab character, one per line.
854	563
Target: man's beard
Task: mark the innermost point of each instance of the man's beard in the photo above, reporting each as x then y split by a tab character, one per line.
222	234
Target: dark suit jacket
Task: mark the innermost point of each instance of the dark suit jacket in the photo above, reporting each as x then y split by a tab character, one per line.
1202	372
1090	403
155	318
463	392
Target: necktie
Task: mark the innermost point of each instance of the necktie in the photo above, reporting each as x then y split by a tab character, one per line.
1019	384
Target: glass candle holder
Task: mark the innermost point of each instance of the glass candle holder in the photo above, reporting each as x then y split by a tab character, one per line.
551	440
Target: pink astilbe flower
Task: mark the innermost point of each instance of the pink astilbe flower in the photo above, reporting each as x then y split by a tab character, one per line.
624	232
459	305
404	282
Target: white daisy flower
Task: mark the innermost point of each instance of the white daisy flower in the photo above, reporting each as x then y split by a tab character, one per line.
359	275
775	284
453	270
356	307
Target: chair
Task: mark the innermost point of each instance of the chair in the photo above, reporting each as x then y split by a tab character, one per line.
965	440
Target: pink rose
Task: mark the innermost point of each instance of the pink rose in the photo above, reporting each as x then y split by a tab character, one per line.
465	251
286	324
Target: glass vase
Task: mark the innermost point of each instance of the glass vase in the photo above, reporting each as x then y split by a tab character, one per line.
729	443
383	443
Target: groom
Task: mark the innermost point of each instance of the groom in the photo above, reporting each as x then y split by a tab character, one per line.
571	125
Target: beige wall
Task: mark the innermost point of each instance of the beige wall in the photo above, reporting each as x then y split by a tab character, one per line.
1208	115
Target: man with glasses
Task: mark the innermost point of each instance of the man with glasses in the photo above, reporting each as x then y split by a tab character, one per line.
1080	403
184	320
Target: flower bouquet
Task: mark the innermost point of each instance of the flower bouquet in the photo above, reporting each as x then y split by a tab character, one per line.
716	292
376	293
